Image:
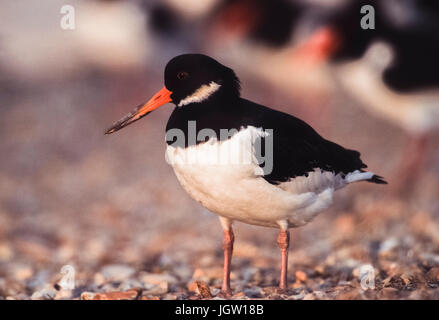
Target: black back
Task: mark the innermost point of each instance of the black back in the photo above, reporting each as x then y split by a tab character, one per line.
298	148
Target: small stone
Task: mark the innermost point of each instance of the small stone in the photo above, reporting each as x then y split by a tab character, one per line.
320	269
98	279
215	291
297	285
130	284
116	272
47	293
151	298
5	252
64	295
249	273
301	276
430	259
198	273
192	286
433	274
204	290
157	278
309	296
183	272
87	295
255	292
319	294
388	246
239	294
161	288
36	296
209	273
406	279
22	272
388	293
39	281
299	296
116	295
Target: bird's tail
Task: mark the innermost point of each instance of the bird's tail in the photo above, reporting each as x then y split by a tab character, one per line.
360	175
377	179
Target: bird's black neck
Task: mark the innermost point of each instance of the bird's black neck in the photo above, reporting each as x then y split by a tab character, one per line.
221	113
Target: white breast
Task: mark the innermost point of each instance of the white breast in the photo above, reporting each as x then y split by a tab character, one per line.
211	174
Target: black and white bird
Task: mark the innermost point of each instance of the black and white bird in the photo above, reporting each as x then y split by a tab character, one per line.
225	173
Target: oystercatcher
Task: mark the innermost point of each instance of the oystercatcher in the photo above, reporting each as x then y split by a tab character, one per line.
227	167
391	70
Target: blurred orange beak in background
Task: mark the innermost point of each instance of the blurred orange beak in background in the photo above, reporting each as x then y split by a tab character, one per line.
159	99
320	46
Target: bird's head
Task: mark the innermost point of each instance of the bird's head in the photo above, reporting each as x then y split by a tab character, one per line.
189	79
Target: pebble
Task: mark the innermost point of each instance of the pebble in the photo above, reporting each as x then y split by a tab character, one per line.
153	298
114	295
39	281
158	289
204	290
301	276
309	296
433	274
209	273
388	293
192	286
387	246
432	259
130	284
48	293
5	252
157	278
87	295
299	296
64	295
183	272
319	294
117	272
21	272
255	292
98	279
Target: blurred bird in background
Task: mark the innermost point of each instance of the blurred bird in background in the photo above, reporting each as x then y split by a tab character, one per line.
79	50
392	70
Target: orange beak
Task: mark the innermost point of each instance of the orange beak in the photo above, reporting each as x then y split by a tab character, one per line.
159	99
320	46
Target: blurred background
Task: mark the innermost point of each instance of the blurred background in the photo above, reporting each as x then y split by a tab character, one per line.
111	207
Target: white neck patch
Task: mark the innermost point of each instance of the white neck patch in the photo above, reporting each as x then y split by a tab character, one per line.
201	94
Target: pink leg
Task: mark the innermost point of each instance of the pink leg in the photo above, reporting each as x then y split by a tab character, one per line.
283	241
229	238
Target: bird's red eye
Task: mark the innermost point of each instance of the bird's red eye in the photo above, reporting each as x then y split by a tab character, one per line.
182	75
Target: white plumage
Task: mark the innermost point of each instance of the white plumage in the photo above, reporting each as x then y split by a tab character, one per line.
237	190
